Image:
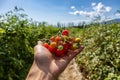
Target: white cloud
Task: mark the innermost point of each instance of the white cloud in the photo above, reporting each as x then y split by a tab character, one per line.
117	14
98	9
73	8
93	4
108	9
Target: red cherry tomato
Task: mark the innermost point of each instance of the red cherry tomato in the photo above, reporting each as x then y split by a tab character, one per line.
65	32
52	38
46	45
57	38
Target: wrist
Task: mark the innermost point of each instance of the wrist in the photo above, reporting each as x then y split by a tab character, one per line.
36	73
47	76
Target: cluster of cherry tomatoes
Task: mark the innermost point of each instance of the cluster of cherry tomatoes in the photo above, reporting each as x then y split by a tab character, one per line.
60	44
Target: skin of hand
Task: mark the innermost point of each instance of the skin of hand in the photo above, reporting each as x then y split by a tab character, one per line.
46	66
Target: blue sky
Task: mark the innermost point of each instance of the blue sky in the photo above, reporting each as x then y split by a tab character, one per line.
64	11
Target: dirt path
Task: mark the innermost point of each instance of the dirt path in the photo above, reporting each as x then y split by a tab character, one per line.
71	72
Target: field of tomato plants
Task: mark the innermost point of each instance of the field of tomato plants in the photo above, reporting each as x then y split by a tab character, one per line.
100	59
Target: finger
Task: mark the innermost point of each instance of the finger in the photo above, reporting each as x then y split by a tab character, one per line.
36	48
72	54
76	52
40	43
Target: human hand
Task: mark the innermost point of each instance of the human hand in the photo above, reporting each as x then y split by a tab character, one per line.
46	62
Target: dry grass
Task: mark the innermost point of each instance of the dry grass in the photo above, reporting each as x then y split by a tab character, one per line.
71	72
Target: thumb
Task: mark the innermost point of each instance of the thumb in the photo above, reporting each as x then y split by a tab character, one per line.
40	43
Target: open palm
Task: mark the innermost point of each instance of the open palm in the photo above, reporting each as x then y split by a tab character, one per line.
47	66
50	63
